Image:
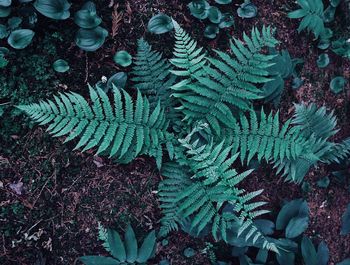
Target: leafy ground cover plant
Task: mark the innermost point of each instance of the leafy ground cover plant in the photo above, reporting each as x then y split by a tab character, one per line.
123	252
208	124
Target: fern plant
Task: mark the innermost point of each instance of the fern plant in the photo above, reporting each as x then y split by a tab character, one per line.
312	13
126	252
213	98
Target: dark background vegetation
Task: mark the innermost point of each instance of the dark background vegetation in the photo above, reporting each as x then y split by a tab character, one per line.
65	193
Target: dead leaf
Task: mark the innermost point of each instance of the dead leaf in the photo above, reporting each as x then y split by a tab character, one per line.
17	187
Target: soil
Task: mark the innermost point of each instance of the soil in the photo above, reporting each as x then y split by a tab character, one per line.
66	193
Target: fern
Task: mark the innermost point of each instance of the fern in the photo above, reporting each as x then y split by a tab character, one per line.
124	130
226	83
205	189
312	13
151	74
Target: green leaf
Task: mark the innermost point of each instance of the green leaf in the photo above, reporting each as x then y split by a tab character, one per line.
328	15
122	58
148	245
322	254
116	245
226	21
189	252
4	51
14	22
199	9
3	63
86	17
297	226
323	44
308	252
247	10
223	2
323	60
335	3
345	226
130	245
285	258
98	260
261	257
211	31
214	15
337	84
91	39
5	11
291	209
55	9
60	66
21	38
160	24
297	82
118	80
344	262
3	31
266	227
5	2
323	182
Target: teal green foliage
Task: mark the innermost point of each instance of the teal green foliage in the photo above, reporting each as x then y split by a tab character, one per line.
123	252
312	13
124	130
216	125
202	10
151	74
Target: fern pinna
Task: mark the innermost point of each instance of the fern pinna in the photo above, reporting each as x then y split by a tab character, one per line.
215	125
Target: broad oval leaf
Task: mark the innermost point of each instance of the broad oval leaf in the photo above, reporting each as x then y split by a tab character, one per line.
247	10
55	9
118	80
323	60
297	226
345	226
130	244
91	39
122	58
5	2
308	252
223	2
322	254
4	51
3	32
21	38
160	24
5	11
214	15
290	210
14	22
266	227
211	31
147	248
189	252
323	182
199	9
337	84
60	66
116	245
87	19
226	21
285	258
328	14
98	260
335	3
344	262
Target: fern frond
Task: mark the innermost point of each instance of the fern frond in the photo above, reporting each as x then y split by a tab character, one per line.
315	121
151	74
123	130
188	59
229	83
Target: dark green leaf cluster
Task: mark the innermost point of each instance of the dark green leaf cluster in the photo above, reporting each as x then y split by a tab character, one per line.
123	252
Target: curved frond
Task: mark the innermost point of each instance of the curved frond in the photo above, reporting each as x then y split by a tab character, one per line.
123	129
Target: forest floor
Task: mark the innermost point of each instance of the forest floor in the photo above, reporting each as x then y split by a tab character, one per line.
52	198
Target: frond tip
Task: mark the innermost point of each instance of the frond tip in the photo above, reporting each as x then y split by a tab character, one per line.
123	129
